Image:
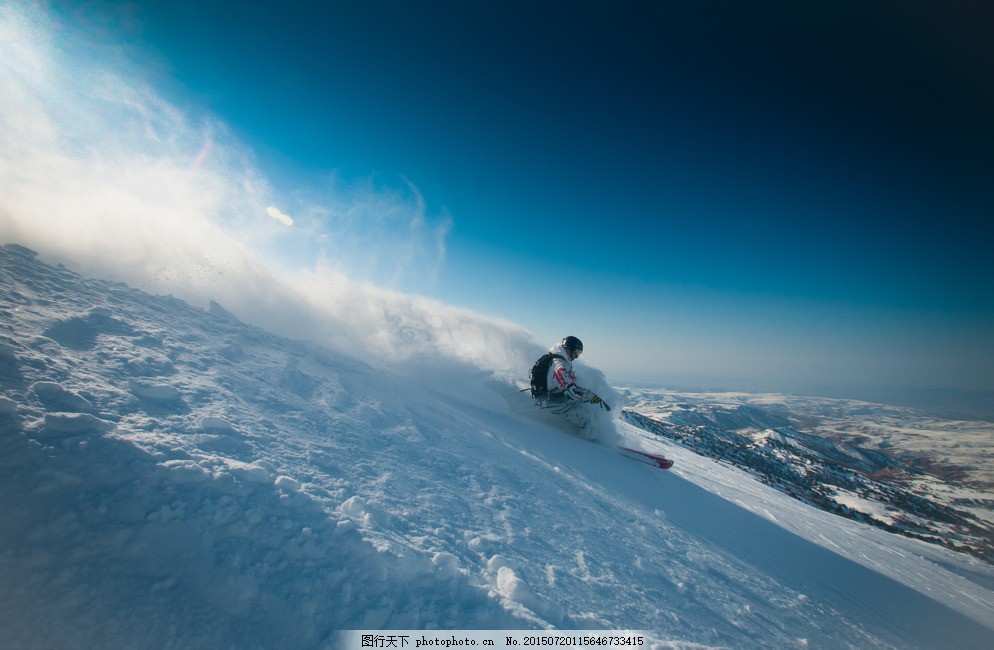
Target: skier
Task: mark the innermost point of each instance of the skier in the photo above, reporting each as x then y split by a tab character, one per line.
553	386
553	383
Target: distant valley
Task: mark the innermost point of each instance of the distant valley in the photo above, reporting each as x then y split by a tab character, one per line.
896	468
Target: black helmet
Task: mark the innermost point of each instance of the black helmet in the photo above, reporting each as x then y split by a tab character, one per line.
573	343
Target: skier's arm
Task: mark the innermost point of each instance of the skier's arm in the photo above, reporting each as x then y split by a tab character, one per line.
566	382
584	395
577	393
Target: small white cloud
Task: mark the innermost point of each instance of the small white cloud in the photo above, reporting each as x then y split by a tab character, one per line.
279	216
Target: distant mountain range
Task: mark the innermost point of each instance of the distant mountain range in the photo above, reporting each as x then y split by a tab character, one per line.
896	468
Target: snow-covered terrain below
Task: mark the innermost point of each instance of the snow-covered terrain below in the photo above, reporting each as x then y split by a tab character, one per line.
173	478
899	468
964	448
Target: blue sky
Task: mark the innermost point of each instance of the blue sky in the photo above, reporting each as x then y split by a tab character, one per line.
773	195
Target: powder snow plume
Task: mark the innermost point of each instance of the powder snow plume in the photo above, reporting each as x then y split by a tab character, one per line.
100	171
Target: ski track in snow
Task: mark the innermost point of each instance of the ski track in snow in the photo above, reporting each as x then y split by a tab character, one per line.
172	478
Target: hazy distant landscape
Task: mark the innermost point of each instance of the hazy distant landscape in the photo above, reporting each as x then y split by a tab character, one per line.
898	468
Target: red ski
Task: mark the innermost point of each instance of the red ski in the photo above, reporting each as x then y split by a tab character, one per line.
647	458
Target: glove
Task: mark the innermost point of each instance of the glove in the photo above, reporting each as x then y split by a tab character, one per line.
598	400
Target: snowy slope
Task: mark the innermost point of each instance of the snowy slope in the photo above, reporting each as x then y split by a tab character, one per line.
173	478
